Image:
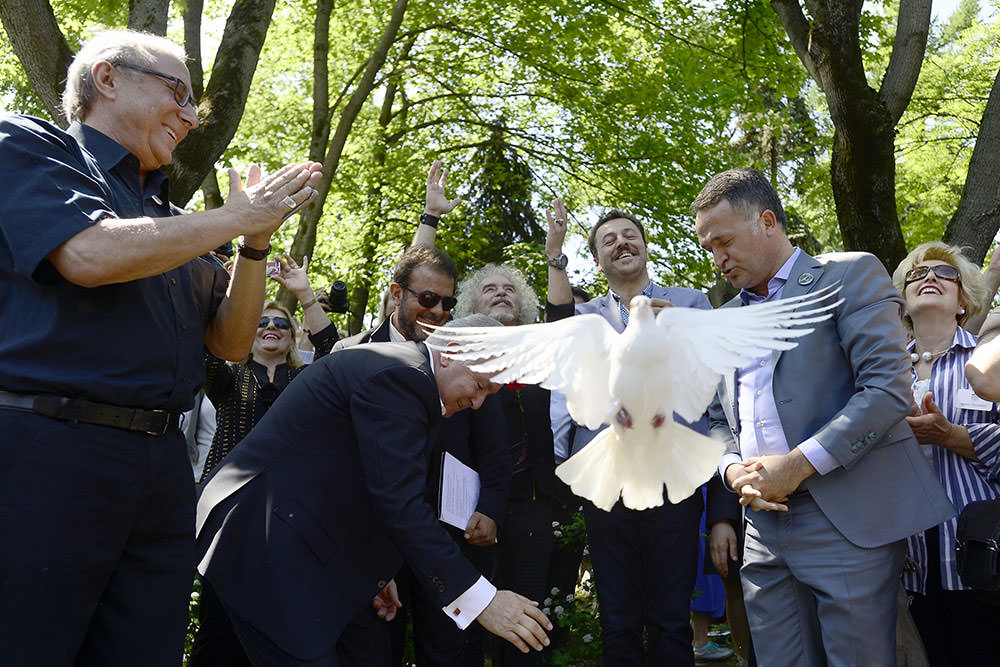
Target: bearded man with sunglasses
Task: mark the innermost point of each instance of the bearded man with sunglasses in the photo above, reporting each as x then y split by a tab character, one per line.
115	298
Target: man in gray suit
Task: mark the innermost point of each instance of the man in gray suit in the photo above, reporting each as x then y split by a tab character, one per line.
817	433
636	590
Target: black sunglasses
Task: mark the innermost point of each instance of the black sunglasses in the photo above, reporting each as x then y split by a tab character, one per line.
942	271
280	322
429	299
181	95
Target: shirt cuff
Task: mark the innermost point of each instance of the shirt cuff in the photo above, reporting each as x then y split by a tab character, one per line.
728	460
471	603
817	455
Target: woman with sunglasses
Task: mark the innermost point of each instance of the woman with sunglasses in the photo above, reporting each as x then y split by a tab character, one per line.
960	436
242	392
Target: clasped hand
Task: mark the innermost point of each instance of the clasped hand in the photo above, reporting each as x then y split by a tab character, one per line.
765	482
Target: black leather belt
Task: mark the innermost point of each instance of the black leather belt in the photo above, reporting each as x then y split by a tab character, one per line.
152	422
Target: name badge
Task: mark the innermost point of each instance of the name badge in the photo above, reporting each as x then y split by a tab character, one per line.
968	400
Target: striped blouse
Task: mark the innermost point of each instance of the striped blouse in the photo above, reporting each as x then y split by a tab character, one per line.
964	480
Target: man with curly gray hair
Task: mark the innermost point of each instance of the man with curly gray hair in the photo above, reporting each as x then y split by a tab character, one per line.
500	291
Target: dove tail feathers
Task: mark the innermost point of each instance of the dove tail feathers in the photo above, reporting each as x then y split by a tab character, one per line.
591	472
679	457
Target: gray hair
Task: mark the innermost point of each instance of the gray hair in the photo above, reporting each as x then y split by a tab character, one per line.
116	47
469	290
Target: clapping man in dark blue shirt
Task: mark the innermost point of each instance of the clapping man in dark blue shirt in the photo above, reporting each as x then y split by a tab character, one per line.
109	299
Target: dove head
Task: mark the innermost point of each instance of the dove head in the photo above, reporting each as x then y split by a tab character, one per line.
640	308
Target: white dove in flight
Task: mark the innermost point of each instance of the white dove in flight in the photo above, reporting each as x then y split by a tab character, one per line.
635	381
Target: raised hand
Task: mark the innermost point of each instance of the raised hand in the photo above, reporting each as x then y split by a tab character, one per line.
556	234
263	202
294	278
437	202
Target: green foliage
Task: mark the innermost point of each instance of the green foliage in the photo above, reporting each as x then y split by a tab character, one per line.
938	131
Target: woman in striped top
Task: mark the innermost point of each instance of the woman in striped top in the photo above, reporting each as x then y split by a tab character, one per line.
961	438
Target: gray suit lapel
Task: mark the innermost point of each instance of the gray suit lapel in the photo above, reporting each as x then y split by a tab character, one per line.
612	312
805	275
727	387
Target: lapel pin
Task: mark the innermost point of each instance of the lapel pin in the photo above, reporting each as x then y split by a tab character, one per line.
805	279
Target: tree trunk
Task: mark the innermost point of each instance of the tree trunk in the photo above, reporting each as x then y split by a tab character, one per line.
148	16
977	217
863	169
32	29
305	236
192	45
222	104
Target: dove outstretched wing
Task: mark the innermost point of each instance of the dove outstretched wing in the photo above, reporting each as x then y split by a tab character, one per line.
707	344
571	356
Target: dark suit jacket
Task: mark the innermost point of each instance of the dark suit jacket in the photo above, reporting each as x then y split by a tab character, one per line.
320	505
477	438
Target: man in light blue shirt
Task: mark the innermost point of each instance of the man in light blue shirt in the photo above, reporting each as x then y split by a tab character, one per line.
817	433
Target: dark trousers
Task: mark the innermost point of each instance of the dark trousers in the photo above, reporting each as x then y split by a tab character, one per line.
96	544
645	564
525	543
363	643
564	563
216	644
956	628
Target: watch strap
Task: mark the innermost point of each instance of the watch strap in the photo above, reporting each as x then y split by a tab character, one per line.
253	253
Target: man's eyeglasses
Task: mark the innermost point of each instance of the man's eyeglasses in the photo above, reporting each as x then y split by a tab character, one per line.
280	322
429	299
181	94
942	271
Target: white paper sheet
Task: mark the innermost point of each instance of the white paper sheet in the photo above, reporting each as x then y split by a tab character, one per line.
459	492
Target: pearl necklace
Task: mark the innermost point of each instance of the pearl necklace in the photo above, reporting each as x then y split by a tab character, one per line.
927	356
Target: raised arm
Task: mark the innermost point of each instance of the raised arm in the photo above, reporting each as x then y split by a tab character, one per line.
991	283
144	247
559	291
436	205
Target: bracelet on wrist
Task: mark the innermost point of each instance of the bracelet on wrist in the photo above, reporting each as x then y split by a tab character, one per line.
429	220
253	253
311	302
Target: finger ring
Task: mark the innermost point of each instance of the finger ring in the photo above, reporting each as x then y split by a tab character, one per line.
289	202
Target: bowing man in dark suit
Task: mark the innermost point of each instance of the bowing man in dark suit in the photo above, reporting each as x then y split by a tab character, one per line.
421	291
316	510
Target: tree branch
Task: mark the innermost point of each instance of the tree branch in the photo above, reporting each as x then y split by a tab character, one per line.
912	27
224	99
42	49
977	217
799	33
148	16
192	45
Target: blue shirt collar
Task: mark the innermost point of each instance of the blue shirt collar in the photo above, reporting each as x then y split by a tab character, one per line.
775	285
112	156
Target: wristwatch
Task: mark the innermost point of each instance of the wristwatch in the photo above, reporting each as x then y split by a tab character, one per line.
429	220
252	253
559	261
